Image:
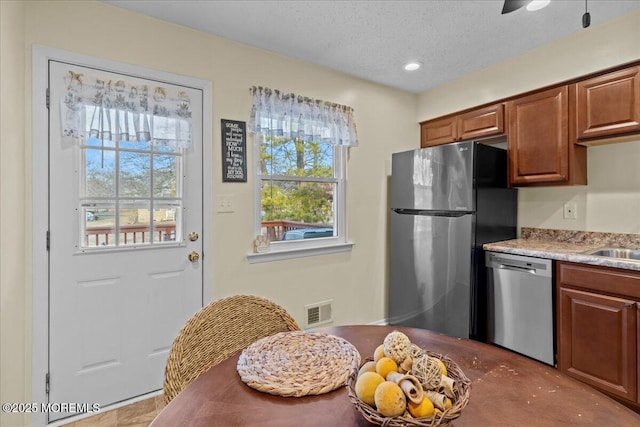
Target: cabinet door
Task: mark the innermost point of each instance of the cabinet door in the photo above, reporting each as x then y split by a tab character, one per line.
608	105
597	341
436	132
480	123
538	138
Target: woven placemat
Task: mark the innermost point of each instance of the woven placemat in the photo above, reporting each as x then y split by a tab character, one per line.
298	363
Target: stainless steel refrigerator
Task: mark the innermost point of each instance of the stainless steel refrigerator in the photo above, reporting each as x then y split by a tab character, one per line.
446	202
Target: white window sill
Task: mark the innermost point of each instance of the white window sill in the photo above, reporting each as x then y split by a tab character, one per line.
279	255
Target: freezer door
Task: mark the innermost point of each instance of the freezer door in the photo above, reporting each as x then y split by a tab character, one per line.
430	272
435	178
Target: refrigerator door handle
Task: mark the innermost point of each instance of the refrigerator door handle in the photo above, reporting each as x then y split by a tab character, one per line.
452	214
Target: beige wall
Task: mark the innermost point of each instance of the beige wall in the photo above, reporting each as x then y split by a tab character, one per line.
14	290
385	119
611	200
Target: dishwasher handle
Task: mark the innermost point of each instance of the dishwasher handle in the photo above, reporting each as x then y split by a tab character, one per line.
517	268
520	263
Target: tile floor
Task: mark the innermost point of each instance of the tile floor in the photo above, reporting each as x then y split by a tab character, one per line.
139	414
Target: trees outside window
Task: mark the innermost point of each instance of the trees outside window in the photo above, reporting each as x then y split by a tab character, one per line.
300	188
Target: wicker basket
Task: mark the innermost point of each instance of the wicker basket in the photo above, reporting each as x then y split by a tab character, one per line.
462	390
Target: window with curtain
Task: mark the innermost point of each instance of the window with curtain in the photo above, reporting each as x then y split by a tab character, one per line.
301	168
130	135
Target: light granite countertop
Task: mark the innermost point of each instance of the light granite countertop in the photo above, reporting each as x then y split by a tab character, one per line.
570	246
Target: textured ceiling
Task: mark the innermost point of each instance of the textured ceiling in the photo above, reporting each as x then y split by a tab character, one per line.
374	39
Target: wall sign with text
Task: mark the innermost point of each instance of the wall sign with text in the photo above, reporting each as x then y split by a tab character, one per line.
234	151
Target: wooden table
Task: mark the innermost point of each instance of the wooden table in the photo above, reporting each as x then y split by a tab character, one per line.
507	390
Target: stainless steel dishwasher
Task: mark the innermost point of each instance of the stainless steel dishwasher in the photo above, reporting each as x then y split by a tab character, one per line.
520	305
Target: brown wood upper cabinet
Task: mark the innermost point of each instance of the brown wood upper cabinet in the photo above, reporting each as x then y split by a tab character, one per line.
608	105
480	123
541	150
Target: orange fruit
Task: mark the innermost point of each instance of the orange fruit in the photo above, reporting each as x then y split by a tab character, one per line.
386	365
422	409
443	369
390	400
379	353
447	403
366	386
367	367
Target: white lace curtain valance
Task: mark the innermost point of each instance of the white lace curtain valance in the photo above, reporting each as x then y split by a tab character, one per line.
293	116
95	108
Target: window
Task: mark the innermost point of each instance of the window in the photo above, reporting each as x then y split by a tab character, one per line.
130	194
301	187
301	169
130	137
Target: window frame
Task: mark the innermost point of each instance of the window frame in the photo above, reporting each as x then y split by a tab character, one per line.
304	247
85	202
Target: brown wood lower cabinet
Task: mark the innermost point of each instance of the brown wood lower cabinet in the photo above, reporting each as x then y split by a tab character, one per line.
599	328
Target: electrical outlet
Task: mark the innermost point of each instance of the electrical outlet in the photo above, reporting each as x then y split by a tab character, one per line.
570	211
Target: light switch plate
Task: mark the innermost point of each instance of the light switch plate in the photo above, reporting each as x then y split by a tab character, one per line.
224	203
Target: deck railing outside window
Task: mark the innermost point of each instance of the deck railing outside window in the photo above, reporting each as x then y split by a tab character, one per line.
139	234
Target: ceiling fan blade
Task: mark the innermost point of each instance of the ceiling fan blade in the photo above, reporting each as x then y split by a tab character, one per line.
511	5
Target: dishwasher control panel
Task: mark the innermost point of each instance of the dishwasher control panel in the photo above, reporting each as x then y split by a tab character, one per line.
538	266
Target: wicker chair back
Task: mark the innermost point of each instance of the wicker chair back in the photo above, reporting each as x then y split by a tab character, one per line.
220	329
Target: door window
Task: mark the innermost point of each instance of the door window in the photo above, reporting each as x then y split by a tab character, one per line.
130	196
129	137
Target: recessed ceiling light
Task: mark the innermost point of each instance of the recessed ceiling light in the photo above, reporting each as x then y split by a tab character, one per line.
412	66
537	5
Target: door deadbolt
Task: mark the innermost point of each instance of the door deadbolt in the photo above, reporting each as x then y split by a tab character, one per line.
194	256
193	236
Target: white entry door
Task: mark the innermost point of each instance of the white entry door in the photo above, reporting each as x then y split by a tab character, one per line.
125	221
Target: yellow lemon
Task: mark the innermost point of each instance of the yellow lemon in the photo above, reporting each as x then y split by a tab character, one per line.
422	409
390	400
443	368
366	386
379	353
367	367
447	403
386	365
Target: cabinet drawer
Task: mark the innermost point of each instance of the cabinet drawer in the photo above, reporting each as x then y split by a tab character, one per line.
604	279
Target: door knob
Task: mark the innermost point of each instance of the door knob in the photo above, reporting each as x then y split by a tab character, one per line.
193	236
194	256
